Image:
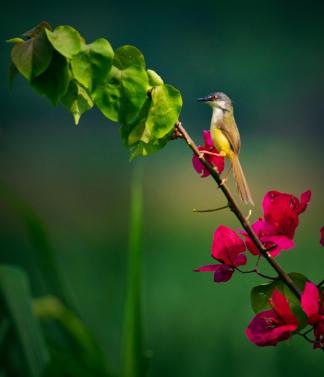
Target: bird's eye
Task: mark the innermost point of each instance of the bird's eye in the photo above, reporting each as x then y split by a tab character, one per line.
215	97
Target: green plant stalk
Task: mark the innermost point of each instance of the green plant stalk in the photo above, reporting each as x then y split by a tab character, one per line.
133	354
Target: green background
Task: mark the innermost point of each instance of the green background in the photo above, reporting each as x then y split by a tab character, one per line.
268	57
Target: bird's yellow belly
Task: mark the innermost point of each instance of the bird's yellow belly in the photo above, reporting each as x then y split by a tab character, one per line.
221	142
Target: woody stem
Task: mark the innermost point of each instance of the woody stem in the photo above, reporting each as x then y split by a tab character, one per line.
237	212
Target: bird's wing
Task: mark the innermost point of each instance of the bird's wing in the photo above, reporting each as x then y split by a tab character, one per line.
230	130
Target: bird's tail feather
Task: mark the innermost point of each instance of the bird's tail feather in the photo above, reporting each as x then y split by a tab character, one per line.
240	181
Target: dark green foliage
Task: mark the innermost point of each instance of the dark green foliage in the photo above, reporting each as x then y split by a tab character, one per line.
54	81
26	339
62	66
33	55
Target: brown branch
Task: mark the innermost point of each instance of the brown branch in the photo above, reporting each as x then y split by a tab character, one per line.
235	209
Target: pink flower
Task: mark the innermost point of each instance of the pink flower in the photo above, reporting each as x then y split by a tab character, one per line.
227	248
216	161
313	306
267	234
322	236
269	327
282	210
278	227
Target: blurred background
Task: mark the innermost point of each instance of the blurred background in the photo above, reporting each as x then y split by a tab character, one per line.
268	57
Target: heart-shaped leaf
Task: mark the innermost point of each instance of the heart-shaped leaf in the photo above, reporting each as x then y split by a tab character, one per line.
66	40
122	95
32	56
92	64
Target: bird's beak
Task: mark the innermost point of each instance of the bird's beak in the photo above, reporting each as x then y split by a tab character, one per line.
204	99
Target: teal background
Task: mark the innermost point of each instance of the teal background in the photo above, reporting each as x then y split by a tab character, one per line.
268	56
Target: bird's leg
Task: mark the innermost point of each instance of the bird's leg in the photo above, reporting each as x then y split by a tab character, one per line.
221	154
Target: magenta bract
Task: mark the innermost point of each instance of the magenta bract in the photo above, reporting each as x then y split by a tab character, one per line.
216	161
313	306
322	236
269	327
227	248
282	210
281	217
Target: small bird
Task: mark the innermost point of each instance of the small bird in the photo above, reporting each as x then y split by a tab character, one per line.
226	138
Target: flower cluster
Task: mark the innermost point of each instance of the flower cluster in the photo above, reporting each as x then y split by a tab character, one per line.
276	231
278	316
269	327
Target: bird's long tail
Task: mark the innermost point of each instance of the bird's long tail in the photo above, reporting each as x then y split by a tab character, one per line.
240	181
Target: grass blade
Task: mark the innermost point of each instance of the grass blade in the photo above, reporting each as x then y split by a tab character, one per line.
16	300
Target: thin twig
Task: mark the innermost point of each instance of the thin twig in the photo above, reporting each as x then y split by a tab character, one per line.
210	210
235	209
256	271
305	337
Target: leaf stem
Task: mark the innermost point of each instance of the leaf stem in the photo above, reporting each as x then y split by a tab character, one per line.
256	271
210	210
237	212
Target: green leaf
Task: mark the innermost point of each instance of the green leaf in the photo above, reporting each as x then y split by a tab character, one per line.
77	100
152	128
33	56
15	40
154	78
53	83
92	64
88	351
16	301
66	40
127	56
122	95
261	294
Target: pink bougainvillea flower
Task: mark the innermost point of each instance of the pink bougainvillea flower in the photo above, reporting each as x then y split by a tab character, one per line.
313	306
322	236
227	248
282	210
269	327
277	229
267	234
216	161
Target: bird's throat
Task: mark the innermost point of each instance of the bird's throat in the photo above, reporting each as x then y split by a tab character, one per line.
217	117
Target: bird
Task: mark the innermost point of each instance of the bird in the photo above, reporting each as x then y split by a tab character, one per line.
226	139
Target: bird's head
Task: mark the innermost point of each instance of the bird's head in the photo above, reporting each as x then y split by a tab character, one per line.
219	100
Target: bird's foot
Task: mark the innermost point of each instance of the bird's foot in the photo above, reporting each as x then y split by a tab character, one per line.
202	154
223	181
